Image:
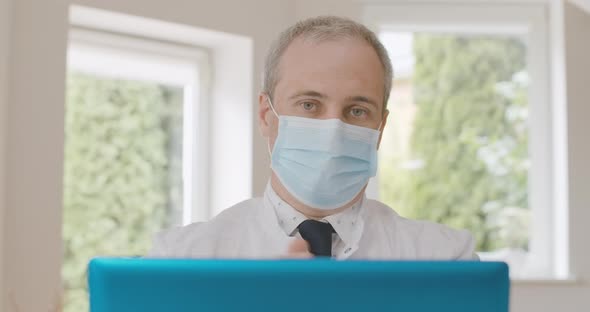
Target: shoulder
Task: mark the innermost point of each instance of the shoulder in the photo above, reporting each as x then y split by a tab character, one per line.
202	238
423	239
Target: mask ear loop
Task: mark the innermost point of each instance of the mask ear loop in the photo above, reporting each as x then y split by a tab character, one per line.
272	107
380	130
381	124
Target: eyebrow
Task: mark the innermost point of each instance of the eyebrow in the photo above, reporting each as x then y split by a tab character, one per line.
308	93
360	98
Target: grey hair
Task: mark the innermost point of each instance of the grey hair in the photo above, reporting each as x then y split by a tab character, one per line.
323	28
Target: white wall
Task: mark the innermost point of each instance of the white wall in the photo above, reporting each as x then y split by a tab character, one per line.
35	153
35	113
5	21
573	296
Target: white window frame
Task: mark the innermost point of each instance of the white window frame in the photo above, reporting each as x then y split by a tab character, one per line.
531	21
128	57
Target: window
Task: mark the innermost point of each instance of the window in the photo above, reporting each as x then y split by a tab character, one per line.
468	141
459	118
135	141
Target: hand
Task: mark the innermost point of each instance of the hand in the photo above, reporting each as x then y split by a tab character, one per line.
298	249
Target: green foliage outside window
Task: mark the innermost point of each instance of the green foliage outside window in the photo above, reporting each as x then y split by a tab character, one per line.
469	143
117	180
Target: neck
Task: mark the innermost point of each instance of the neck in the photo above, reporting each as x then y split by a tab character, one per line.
307	211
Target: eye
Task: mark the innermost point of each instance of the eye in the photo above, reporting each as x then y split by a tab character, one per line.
308	106
358	112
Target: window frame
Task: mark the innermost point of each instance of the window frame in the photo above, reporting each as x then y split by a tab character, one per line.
187	67
530	20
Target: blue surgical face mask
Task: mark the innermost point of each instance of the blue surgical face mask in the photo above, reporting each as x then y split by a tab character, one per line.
323	163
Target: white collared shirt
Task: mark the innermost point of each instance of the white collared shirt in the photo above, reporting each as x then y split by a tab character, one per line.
262	228
347	224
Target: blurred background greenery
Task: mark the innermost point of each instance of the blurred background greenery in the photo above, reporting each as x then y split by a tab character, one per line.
466	160
122	172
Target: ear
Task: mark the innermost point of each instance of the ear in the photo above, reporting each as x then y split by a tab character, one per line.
383	122
263	110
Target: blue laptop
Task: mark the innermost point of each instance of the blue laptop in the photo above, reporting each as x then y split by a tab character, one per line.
146	285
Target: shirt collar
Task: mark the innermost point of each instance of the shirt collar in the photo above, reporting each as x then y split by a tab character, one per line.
346	223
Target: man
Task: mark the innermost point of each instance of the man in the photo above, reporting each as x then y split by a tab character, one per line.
322	109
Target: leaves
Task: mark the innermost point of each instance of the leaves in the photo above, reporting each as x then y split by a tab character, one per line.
117	174
470	135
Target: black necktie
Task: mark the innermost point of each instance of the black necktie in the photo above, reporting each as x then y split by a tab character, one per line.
318	235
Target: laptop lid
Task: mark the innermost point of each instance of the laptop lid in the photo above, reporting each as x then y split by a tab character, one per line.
146	285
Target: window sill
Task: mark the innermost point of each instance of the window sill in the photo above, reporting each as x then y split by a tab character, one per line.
547	281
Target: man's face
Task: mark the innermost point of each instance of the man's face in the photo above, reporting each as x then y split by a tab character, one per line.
337	79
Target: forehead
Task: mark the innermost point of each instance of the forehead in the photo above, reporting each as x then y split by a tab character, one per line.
338	67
